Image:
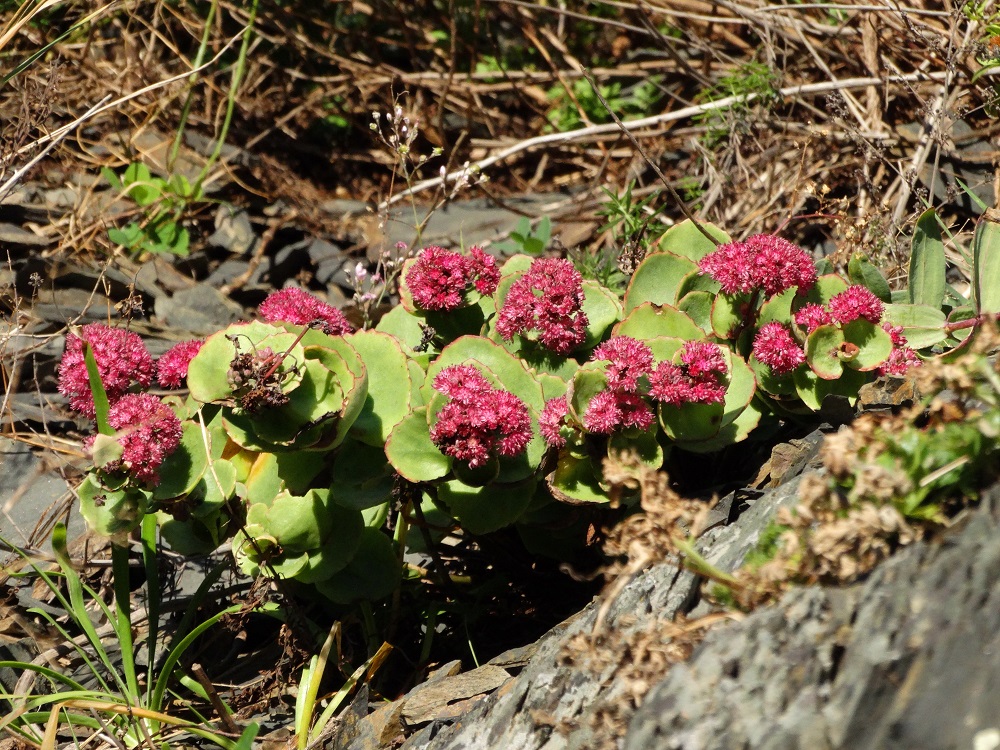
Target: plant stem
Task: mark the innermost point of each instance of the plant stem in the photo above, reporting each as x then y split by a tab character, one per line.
149	560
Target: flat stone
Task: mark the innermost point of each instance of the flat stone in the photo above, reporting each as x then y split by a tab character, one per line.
11	234
200	309
233	231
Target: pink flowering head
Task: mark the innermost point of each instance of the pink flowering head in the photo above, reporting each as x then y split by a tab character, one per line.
300	308
148	431
438	278
172	367
812	317
552	420
703	360
895	333
900	360
479	422
732	266
775	347
546	302
122	359
761	262
628	360
604	415
485	274
780	264
855	302
669	384
636	412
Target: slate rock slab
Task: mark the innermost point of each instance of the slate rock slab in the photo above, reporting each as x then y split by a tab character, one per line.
908	659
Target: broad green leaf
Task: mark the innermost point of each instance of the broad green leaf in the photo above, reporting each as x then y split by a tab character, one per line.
658	280
823	350
602	309
691	421
388	397
923	326
411	452
576	482
482	510
734	432
986	263
873	345
728	314
697	305
649	321
686	240
373	573
927	263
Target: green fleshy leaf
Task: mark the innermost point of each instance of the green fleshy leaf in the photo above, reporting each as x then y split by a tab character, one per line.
644	444
339	545
362	477
826	288
734	432
388	397
927	262
482	510
698	306
813	390
861	271
691	422
181	470
986	264
602	309
686	240
575	482
822	352
657	280
874	345
216	486
373	573
923	326
728	311
273	472
411	452
649	321
402	326
778	308
587	383
111	513
776	385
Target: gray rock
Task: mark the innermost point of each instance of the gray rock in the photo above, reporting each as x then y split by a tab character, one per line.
233	231
201	309
11	234
908	659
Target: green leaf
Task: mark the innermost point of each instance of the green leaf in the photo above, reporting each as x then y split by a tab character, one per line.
100	396
691	422
686	240
649	321
927	262
411	452
362	477
862	271
923	326
587	383
874	345
602	309
130	236
734	432
658	280
482	510
986	264
826	288
373	573
822	352
388	397
181	470
698	306
575	482
728	314
110	513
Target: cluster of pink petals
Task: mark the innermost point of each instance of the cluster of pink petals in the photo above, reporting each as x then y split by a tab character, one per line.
300	308
122	359
548	299
902	357
628	360
855	302
148	432
439	278
172	367
775	347
479	421
698	379
761	262
610	411
552	420
812	316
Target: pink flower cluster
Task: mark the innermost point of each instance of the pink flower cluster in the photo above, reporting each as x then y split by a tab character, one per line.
902	357
855	302
552	420
761	262
148	432
172	366
439	278
122	359
698	379
547	299
775	347
479	421
298	307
